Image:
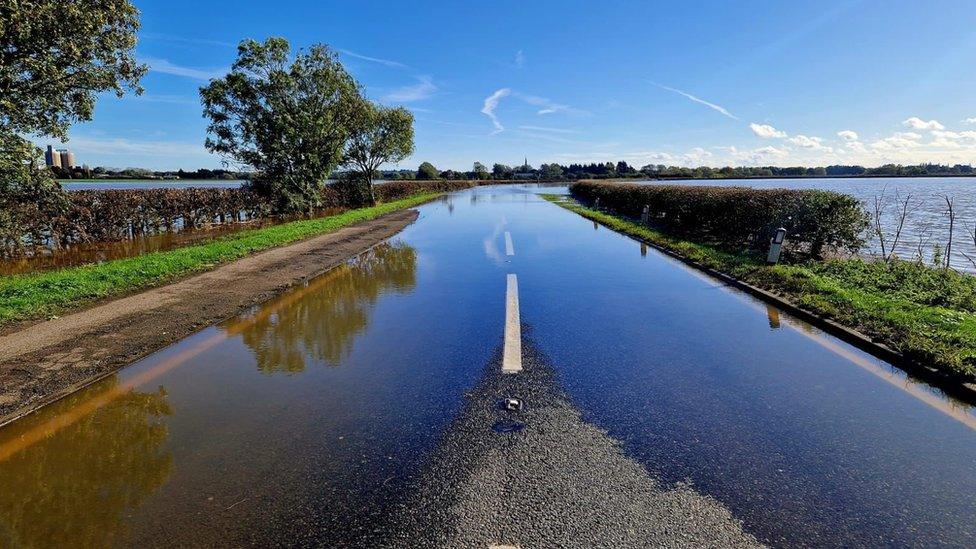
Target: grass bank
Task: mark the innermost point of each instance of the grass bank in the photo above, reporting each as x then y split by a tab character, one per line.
39	295
928	315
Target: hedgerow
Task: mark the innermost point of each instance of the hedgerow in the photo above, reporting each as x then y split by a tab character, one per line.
816	221
114	214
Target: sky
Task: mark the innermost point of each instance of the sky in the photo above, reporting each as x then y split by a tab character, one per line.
679	83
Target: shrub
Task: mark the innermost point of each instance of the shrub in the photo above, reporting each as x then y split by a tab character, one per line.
737	217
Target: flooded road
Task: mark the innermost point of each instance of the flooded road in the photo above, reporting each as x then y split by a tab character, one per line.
321	416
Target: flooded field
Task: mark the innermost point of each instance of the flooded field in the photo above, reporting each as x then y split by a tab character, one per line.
306	420
927	224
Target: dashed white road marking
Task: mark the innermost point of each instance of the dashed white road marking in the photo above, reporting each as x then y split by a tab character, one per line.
512	355
509	247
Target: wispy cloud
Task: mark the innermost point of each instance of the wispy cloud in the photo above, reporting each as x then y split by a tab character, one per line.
545	105
848	135
491	103
166	67
549	107
380	60
172	38
546	129
699	100
116	146
423	89
162	98
519	59
971	120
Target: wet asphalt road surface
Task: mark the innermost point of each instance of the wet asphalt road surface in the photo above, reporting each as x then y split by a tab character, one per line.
362	409
542	477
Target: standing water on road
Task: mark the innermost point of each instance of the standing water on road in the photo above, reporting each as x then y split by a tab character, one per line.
307	420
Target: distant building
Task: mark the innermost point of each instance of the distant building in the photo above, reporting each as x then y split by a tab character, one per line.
67	159
52	157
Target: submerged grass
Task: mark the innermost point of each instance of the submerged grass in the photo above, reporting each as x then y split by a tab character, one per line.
928	315
38	295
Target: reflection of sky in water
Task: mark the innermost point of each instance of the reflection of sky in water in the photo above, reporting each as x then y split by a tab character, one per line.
803	437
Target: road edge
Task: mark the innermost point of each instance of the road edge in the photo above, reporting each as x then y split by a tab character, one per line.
951	386
30	407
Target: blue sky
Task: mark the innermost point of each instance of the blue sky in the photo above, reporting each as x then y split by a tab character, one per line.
686	83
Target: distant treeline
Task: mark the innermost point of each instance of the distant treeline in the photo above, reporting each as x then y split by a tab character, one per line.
84	172
623	170
559	172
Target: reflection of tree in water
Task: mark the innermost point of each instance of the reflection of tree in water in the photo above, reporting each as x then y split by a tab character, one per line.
323	323
75	486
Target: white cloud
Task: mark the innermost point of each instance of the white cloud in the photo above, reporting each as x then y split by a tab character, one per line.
491	103
165	67
808	142
519	59
381	61
898	141
769	151
919	124
968	134
697	155
847	135
971	120
766	131
699	100
423	89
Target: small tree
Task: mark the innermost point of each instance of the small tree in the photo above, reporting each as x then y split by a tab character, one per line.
29	198
379	135
501	171
428	171
480	171
288	120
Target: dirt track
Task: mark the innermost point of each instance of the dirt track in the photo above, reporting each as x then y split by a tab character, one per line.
45	361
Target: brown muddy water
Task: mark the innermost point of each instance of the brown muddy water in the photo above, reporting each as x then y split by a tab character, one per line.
85	253
304	421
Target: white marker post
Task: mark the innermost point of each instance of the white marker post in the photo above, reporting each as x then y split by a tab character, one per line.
776	246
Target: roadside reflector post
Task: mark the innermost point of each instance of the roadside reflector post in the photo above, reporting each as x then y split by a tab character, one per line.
646	214
776	246
596	203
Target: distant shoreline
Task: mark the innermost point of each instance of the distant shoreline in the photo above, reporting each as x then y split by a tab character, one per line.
108	181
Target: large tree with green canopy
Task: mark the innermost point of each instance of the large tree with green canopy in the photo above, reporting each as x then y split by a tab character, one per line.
288	117
55	57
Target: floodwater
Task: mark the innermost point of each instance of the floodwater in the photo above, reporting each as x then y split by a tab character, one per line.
84	253
137	184
303	421
927	222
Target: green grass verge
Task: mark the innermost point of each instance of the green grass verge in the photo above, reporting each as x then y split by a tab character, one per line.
39	295
929	315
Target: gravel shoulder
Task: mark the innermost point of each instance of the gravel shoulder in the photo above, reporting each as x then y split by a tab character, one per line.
555	481
45	361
